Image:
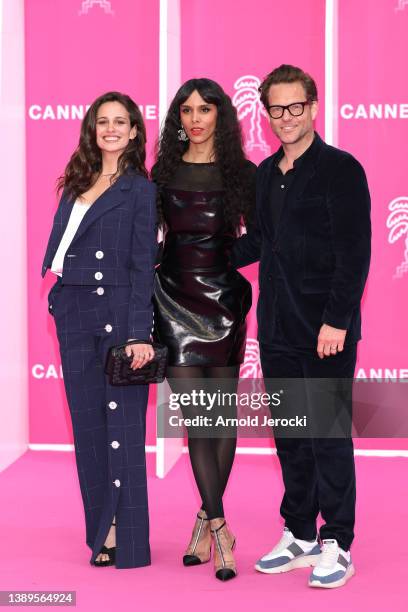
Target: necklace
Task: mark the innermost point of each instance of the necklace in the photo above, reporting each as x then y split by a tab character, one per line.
108	174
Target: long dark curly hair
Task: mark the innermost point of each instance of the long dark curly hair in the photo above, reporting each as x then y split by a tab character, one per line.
86	162
229	154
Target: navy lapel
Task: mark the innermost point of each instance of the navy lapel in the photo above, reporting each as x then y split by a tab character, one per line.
65	212
58	228
112	197
60	221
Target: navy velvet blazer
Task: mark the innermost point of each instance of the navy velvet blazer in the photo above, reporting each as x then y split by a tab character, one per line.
115	244
314	263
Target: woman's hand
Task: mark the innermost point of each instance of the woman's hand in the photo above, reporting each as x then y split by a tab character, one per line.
142	354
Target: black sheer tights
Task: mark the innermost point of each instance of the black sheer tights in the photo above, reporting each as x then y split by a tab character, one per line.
211	457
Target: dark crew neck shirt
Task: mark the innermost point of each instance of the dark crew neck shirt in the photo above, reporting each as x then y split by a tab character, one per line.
281	183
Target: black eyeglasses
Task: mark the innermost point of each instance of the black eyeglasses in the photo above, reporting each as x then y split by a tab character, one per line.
296	109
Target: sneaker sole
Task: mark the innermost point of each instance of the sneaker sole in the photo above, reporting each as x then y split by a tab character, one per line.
307	561
334	585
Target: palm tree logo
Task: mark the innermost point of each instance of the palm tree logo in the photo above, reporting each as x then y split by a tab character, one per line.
397	223
103	4
246	101
251	368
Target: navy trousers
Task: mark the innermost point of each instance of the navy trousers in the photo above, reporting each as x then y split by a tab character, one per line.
318	472
109	423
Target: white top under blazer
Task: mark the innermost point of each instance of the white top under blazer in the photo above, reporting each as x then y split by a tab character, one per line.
77	214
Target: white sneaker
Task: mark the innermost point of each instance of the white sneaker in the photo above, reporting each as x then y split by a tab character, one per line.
333	568
290	553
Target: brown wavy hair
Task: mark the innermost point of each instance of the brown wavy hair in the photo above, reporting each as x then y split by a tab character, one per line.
86	161
286	73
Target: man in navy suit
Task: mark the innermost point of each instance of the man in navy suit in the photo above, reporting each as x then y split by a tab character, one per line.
312	237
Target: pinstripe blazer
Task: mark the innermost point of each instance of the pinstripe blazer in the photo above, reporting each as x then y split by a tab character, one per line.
115	244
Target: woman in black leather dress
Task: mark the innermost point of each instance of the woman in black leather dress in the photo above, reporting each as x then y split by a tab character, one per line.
206	192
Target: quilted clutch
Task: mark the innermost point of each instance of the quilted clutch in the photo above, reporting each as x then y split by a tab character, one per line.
120	373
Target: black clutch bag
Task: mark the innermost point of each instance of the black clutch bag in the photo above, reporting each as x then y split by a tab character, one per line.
120	373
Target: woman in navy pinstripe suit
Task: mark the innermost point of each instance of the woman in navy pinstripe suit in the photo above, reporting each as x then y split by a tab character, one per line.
103	248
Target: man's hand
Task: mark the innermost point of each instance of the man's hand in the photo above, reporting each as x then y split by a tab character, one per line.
142	354
330	340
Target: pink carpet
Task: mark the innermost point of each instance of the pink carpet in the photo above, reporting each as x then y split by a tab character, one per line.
42	541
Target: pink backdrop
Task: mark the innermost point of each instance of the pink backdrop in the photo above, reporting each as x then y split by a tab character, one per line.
245	45
71	58
373	51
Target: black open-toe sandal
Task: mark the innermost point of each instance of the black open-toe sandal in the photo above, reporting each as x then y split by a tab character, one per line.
106	551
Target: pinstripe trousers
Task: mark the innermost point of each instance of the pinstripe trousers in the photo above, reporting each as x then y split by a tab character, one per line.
109	423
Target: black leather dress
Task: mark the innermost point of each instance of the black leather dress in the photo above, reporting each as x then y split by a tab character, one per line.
201	302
